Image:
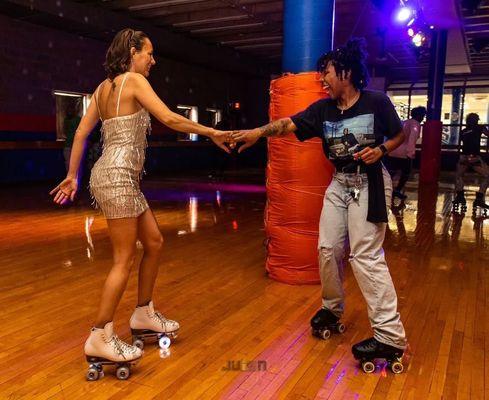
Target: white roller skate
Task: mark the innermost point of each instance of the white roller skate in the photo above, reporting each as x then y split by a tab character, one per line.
459	204
146	323
480	209
103	347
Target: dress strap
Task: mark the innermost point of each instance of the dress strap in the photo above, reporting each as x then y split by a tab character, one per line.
120	91
95	96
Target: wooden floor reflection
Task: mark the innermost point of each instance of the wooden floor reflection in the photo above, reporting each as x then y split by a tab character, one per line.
234	319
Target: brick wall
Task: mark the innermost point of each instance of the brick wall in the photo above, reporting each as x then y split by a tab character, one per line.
35	60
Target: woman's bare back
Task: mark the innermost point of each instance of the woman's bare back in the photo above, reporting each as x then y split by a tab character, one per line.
107	96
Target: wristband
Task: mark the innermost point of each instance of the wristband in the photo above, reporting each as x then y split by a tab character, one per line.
383	149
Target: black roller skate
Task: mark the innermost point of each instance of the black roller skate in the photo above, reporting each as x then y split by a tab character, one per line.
371	349
324	323
399	195
459	203
479	208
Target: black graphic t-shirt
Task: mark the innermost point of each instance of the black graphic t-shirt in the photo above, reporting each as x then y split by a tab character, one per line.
366	123
371	119
471	138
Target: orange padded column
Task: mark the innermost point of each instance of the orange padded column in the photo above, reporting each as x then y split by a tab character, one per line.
297	177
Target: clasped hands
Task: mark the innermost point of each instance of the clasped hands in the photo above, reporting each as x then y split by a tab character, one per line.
228	140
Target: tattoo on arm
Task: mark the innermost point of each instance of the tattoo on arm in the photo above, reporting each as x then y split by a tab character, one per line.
276	128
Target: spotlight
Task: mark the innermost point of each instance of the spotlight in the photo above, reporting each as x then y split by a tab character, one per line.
410	32
404	14
418	39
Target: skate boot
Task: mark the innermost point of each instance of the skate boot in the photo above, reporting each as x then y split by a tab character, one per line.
103	347
324	323
399	194
371	349
479	208
459	203
146	323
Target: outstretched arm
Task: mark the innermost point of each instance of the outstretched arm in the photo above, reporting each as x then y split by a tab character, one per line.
68	187
146	96
276	128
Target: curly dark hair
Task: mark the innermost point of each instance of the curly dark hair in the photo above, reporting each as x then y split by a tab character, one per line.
418	112
349	58
118	57
472	119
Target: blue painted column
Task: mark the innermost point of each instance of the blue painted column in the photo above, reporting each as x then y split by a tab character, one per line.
436	79
308	33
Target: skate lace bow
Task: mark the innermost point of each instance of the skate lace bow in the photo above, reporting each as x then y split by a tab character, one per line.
161	319
121	347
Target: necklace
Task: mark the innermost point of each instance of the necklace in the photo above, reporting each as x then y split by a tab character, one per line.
349	104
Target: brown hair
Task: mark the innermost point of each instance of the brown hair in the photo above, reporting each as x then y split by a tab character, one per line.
118	57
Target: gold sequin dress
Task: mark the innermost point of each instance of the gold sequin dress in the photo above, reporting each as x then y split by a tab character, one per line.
114	181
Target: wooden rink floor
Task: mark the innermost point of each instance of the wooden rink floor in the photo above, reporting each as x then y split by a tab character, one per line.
212	280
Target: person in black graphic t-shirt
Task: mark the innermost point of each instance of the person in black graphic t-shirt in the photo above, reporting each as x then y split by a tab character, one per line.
353	124
470	158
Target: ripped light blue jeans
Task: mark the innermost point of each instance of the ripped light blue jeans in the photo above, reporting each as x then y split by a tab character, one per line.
342	218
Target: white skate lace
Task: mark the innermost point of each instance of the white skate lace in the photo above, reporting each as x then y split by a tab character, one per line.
162	320
121	347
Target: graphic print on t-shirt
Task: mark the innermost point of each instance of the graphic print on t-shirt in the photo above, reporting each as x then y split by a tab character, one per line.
349	136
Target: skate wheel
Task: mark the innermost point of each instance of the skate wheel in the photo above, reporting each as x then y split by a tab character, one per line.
93	374
138	343
397	367
122	373
341	328
368	367
325	334
164	342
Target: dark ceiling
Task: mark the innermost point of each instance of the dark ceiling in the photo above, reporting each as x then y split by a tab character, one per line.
253	28
475	16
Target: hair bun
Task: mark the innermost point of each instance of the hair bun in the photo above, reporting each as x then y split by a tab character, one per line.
355	48
118	56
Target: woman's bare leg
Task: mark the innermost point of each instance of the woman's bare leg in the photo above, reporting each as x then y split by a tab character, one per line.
150	237
123	234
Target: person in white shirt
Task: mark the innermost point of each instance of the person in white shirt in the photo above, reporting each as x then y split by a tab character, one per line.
401	159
